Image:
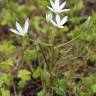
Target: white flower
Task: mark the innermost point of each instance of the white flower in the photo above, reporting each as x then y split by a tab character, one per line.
59	23
21	31
48	17
56	7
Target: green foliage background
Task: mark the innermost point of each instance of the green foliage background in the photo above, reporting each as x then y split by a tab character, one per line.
74	73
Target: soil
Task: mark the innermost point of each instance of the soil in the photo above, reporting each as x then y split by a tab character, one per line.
32	88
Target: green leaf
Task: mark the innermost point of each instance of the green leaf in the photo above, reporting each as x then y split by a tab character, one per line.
38	73
63	84
6	47
87	81
31	54
94	88
6	79
79	5
7	65
41	93
24	74
5	92
62	87
84	94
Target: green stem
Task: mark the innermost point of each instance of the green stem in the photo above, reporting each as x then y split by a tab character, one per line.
52	57
21	61
52	49
63	44
22	53
41	49
15	92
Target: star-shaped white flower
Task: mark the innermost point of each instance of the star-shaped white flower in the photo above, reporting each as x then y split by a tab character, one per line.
19	30
59	23
48	17
56	7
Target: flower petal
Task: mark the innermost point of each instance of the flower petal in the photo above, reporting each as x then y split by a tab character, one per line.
56	6
60	26
64	20
19	28
58	19
26	26
15	31
52	4
48	17
64	10
62	6
50	8
54	23
57	3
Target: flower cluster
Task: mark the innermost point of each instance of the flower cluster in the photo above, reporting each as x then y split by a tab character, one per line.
21	31
57	8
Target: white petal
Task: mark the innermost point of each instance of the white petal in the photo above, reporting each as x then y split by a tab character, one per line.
62	6
56	6
56	25
60	26
64	10
53	23
26	26
15	31
58	19
50	8
52	4
57	3
64	20
19	28
48	17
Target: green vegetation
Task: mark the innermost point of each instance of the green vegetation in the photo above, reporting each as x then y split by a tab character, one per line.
48	61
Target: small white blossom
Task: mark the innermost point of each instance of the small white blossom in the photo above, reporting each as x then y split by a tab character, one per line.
48	17
59	23
19	30
56	7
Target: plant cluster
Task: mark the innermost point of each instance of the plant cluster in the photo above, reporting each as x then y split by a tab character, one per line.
58	60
